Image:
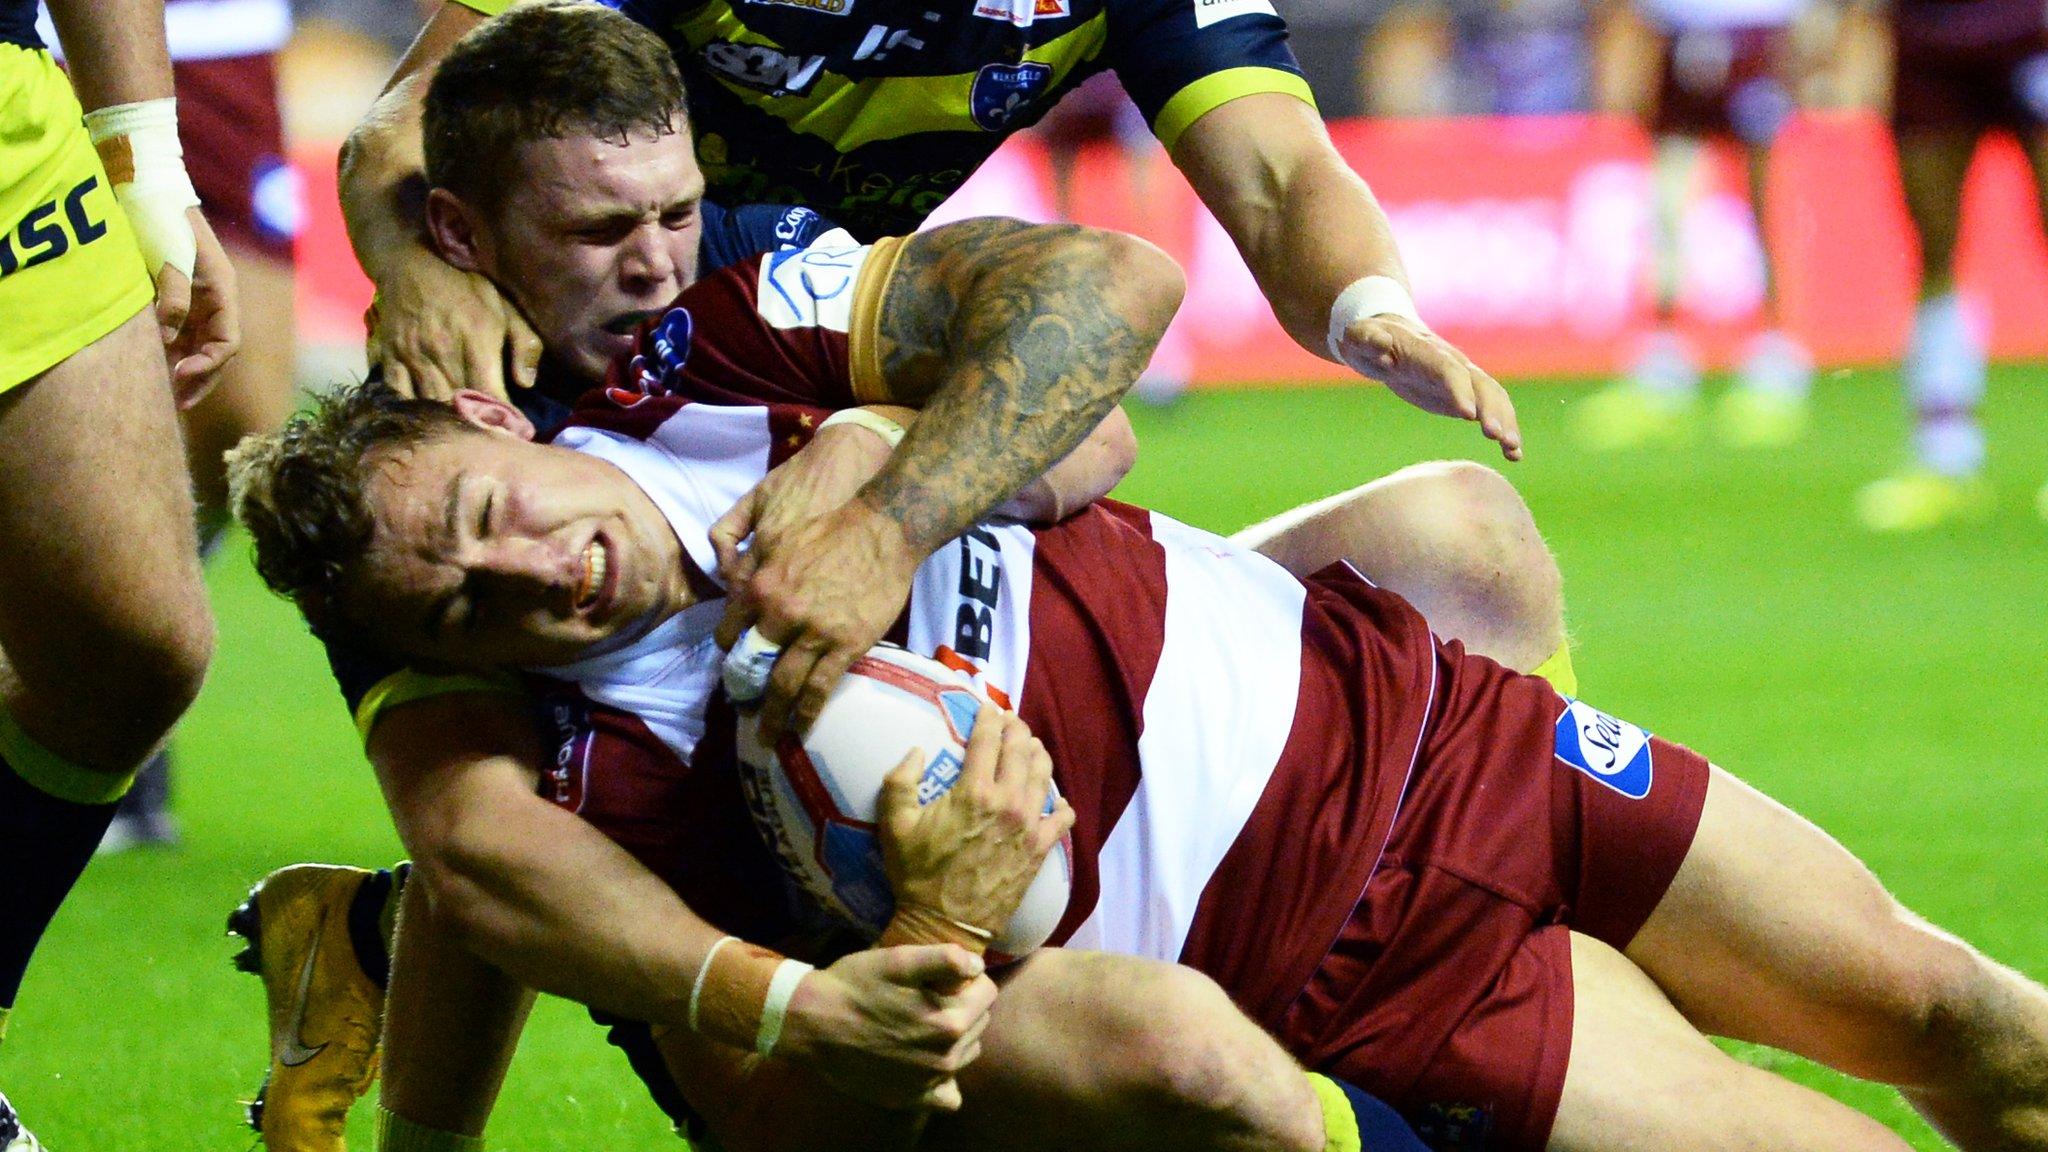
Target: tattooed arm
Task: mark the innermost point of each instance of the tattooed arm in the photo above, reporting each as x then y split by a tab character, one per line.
1015	340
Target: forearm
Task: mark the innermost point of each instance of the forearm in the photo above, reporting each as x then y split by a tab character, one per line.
114	49
383	163
531	889
1306	224
1015	353
452	1023
1087	474
383	180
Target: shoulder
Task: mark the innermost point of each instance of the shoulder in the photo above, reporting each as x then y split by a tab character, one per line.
731	235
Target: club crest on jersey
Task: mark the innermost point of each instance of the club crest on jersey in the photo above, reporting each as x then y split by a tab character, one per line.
762	68
1002	91
1023	12
657	368
1612	751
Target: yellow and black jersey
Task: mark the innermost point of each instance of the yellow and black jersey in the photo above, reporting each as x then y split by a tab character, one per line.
18	24
874	111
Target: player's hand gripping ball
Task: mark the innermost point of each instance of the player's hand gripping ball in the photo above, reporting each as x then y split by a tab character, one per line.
815	798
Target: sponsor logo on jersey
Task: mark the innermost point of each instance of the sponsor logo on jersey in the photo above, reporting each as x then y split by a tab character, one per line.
1612	751
828	7
1209	12
1023	12
1002	91
762	68
811	287
41	235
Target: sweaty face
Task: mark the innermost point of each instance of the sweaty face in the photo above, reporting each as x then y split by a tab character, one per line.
594	236
492	551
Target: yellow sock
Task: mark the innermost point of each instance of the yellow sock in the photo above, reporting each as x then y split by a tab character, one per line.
1559	671
397	1134
51	774
1340	1123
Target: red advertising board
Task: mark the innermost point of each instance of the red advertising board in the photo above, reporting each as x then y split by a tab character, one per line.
1529	242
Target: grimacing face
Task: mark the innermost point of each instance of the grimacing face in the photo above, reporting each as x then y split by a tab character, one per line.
493	551
594	236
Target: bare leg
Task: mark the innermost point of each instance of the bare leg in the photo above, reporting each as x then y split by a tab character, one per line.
1089	1051
1452	538
1773	932
1932	168
1643	1080
103	618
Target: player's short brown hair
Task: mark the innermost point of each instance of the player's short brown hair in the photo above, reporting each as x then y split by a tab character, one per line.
300	491
543	71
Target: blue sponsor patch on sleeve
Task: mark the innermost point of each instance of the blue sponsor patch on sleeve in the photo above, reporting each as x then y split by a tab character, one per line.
1610	750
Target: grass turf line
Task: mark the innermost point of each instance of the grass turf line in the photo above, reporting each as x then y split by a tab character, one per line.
1882	687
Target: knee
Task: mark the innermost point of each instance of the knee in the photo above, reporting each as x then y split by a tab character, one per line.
1923	1013
170	661
146	680
1476	534
1198	1066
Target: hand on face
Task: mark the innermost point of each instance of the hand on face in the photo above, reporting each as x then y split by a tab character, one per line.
1427	371
826	574
440	330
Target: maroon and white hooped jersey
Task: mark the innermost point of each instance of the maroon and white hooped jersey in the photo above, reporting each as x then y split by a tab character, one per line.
1234	741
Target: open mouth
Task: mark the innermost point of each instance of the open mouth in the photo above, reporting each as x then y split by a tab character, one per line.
594	590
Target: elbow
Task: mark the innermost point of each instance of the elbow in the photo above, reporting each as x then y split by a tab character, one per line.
1117	442
1142	284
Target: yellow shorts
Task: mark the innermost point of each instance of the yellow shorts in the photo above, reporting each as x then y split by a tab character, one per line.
69	269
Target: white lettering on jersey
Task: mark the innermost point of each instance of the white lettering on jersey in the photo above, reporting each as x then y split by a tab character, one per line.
1209	12
812	287
763	69
973	599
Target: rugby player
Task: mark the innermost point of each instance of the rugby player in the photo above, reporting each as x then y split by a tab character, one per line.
1728	72
1510	914
603	230
223	68
104	628
875	116
583	286
1963	69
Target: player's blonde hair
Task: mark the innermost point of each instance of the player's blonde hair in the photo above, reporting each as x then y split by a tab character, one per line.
300	491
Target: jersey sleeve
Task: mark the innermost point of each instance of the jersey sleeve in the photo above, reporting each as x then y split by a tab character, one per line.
794	327
1182	59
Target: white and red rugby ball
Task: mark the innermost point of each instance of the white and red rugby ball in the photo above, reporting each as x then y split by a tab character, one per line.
815	801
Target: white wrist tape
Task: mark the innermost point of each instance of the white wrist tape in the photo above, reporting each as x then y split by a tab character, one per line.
1369	296
138	144
703	970
890	431
781	987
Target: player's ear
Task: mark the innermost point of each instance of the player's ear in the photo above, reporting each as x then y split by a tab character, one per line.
452	225
492	414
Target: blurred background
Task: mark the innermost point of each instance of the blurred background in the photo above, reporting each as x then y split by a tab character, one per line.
1724	582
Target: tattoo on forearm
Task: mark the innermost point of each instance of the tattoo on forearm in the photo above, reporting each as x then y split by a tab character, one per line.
1018	339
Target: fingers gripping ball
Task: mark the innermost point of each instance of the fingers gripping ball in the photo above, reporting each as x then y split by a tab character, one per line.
815	798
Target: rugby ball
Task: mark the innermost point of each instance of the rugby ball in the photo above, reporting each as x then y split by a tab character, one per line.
814	800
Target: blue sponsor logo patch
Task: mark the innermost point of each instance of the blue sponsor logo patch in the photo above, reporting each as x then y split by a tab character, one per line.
1614	752
939	777
961	709
1002	91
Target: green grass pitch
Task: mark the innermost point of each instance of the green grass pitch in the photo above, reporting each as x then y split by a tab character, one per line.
1890	689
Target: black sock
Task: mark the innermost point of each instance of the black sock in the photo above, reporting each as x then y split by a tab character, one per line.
44	844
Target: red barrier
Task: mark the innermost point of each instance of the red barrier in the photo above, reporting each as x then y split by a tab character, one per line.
1528	241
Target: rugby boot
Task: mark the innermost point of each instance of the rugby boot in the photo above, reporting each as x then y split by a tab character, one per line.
1920	498
1656	405
1747	417
317	935
13	1137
